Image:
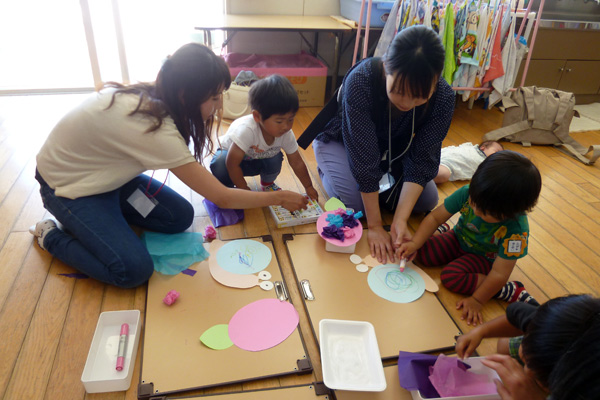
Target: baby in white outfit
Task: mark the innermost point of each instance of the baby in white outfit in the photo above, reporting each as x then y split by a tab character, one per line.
460	162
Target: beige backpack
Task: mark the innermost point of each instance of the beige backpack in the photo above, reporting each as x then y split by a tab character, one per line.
542	116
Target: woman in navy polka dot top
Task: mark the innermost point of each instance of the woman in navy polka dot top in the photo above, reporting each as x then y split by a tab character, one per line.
378	111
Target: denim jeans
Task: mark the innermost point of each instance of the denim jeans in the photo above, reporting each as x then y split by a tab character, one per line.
267	168
334	171
97	239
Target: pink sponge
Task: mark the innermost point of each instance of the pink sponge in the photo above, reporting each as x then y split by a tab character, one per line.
210	234
171	297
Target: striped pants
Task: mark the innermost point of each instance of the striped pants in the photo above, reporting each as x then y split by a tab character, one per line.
461	268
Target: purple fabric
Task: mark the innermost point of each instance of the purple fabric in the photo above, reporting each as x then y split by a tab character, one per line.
349	220
189	272
222	216
76	275
413	372
333	232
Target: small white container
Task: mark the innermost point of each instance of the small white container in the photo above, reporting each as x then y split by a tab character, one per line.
100	374
476	367
350	356
340	249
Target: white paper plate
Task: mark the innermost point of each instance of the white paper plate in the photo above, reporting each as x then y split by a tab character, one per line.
350	356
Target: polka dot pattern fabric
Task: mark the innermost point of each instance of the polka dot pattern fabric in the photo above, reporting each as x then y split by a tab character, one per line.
364	131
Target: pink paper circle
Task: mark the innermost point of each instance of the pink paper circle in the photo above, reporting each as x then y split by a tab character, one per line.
322	222
263	324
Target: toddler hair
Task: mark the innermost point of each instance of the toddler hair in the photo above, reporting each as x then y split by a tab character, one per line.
416	55
562	347
505	185
273	95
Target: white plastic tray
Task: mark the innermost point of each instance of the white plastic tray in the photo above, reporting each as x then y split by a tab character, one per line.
350	356
100	374
476	367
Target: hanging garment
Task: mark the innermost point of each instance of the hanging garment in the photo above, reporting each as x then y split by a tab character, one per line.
512	54
468	43
448	42
389	30
495	69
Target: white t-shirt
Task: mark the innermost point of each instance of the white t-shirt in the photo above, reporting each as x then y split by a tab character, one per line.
94	150
462	160
246	134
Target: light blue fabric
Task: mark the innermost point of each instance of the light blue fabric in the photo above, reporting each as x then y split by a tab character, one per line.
173	253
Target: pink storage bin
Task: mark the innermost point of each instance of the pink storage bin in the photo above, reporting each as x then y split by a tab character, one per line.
307	73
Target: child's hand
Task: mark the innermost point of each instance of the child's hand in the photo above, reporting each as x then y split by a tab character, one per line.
312	193
515	382
467	343
471	310
292	201
407	250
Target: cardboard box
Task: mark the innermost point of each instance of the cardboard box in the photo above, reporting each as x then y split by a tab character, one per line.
306	73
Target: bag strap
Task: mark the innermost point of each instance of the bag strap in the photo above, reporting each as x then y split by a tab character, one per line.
568	149
505	131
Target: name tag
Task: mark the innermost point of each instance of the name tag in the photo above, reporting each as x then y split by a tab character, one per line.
141	202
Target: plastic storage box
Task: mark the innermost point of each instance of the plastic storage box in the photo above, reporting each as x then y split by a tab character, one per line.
350	356
476	367
307	74
380	10
100	373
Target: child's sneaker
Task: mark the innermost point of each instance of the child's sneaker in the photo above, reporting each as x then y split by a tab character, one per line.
41	229
271	188
515	291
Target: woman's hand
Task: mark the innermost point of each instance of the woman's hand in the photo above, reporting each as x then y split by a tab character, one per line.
399	232
380	244
471	310
516	383
292	201
467	343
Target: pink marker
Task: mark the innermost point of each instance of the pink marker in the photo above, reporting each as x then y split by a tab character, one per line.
122	346
402	264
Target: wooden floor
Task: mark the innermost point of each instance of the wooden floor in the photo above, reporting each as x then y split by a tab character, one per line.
47	320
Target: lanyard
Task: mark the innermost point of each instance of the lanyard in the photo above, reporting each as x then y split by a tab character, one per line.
390	160
159	189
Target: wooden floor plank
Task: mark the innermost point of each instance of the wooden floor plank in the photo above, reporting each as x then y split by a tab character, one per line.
17	312
36	359
65	378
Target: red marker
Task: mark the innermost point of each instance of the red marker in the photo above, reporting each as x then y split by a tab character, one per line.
122	346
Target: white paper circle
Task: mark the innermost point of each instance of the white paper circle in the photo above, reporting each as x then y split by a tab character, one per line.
355	258
362	267
264	275
266	285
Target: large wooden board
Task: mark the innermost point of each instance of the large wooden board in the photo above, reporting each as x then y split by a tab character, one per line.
174	360
341	292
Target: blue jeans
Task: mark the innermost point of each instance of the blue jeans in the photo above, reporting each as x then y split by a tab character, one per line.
334	171
98	240
267	168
